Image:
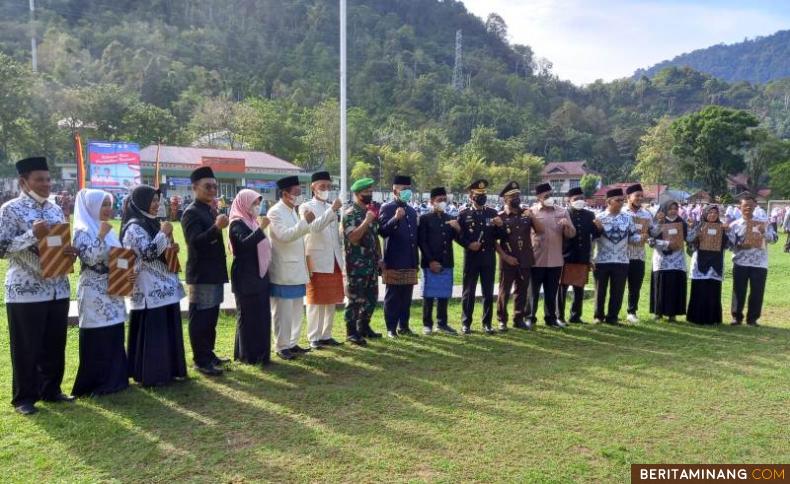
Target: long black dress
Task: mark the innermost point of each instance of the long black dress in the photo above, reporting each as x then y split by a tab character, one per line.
106	369
156	345
253	316
705	298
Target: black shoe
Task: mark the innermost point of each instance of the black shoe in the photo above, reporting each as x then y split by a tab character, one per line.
752	323
26	409
556	324
220	361
502	327
528	325
576	321
357	340
60	398
298	349
405	332
520	325
286	354
369	333
331	342
392	335
316	345
466	330
209	370
446	329
735	323
488	330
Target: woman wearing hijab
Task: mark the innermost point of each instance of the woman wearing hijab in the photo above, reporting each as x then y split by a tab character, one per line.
249	278
668	282
707	268
156	341
103	368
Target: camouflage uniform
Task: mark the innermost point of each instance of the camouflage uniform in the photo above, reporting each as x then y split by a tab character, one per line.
362	271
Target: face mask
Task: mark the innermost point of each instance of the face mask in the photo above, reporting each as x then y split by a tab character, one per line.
255	210
322	195
578	204
549	202
36	196
404	195
441	206
366	199
515	203
295	199
481	199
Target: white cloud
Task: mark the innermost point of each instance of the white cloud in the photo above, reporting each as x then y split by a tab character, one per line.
608	39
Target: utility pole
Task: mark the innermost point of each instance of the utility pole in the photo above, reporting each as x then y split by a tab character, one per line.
343	120
33	52
458	68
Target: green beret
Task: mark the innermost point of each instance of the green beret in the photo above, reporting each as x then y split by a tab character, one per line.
362	184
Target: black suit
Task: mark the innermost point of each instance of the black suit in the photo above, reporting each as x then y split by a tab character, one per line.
577	250
435	239
205	266
476	226
253	316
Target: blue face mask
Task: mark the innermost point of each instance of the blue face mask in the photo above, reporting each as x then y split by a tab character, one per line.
405	196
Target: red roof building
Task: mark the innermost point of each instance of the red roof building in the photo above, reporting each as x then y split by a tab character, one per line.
564	175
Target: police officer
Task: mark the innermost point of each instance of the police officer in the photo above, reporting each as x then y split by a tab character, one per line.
576	254
515	256
479	230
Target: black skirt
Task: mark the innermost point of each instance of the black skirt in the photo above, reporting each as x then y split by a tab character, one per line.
253	329
705	302
668	293
156	345
103	368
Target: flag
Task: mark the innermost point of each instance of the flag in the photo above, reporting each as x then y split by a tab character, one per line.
157	176
81	177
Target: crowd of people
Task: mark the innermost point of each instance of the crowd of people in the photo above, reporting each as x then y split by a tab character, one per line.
318	253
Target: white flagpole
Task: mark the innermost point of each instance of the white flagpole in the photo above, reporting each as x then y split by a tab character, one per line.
343	121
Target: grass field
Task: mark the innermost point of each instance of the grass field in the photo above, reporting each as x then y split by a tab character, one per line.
580	404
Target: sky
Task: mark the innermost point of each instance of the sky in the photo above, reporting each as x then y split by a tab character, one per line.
609	39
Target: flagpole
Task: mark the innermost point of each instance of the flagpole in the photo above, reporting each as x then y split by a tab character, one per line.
157	176
343	120
80	161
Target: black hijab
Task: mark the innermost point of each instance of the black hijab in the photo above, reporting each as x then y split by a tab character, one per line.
664	208
706	258
135	210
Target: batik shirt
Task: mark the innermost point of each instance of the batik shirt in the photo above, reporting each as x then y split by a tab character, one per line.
673	261
637	251
611	247
96	308
155	286
23	280
757	257
361	258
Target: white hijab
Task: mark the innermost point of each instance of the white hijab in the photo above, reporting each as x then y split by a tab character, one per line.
86	214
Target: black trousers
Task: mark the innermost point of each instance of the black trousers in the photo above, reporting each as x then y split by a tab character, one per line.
636	274
753	278
509	277
37	333
607	275
203	333
484	271
441	311
576	305
549	279
397	306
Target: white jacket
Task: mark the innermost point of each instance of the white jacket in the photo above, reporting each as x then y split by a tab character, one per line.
286	233
324	247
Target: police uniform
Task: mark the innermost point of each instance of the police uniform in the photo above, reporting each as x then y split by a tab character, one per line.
577	250
515	241
477	226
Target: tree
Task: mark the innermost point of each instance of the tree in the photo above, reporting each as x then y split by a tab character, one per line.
709	143
589	184
496	25
14	104
780	180
656	163
763	150
361	169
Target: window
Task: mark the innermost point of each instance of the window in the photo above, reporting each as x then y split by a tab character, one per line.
575	183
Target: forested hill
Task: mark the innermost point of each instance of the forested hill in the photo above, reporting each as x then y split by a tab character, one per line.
759	60
265	73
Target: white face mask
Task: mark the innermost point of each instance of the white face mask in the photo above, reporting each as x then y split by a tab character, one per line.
549	202
36	196
441	206
578	204
322	195
255	210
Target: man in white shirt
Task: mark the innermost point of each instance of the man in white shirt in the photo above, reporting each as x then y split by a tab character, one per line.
324	261
288	270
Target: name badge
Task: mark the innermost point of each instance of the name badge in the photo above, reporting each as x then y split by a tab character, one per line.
672	231
122	263
54	241
638	227
756	230
712	231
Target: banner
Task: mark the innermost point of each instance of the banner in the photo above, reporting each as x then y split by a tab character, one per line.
261	184
224	165
114	164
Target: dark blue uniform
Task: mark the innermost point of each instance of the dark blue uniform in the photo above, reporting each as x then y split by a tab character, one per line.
477	226
400	263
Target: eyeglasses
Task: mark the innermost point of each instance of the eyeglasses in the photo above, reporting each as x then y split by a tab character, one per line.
210	186
618	200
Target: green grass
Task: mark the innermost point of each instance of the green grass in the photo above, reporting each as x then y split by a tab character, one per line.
580	404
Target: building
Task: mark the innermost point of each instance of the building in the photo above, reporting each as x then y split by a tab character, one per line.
234	169
564	175
650	193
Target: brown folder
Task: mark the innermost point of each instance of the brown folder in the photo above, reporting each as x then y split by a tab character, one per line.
643	225
574	275
171	256
754	239
673	233
710	237
54	262
121	267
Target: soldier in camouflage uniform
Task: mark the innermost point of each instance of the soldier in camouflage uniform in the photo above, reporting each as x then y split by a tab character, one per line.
363	260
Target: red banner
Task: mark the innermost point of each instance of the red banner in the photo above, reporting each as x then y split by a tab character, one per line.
224	165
